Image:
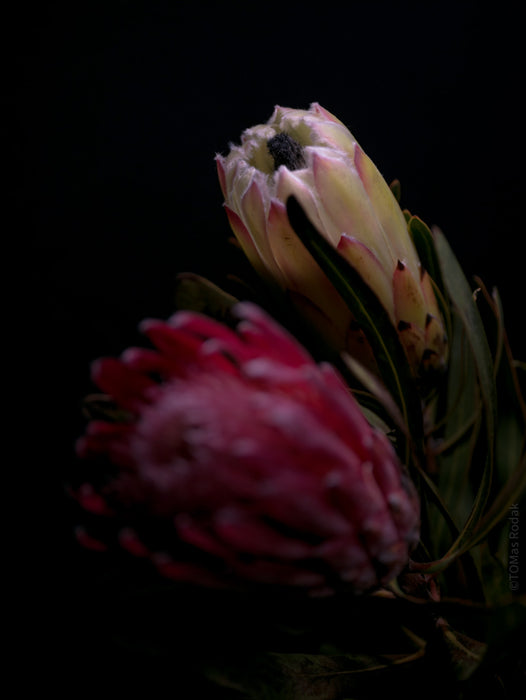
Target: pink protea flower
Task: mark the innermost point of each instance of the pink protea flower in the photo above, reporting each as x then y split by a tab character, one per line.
242	462
311	155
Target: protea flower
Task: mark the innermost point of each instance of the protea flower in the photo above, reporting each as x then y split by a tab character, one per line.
241	462
310	154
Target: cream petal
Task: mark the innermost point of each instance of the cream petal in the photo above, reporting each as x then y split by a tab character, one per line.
387	211
221	174
343	198
370	269
320	111
247	244
409	301
336	136
436	350
299	268
429	295
412	339
299	183
253	210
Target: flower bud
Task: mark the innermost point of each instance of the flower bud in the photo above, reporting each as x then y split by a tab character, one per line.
311	155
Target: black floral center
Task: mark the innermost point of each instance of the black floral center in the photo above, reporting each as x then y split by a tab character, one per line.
286	151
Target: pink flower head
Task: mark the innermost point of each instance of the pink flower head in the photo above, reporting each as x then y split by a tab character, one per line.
242	461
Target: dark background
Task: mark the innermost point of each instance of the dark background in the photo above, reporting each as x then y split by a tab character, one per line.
121	107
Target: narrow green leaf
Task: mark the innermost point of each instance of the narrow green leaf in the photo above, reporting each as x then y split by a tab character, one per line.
463	405
425	247
512	492
511	423
369	313
376	389
462	299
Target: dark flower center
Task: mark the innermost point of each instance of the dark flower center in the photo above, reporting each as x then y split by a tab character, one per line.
286	151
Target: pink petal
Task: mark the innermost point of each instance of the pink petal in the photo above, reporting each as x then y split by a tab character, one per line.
88	541
269	339
182	341
129	541
127	387
245	532
187	572
278	573
191	531
149	362
109	439
92	501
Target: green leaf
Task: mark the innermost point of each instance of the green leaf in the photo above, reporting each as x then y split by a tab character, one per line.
376	389
461	297
511	419
464	304
425	247
457	445
370	315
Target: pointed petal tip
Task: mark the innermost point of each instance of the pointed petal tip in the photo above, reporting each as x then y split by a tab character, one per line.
146	325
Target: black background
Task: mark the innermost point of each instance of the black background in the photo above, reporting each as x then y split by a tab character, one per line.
121	107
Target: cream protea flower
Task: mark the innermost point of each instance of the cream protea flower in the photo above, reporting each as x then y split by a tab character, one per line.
239	460
310	154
